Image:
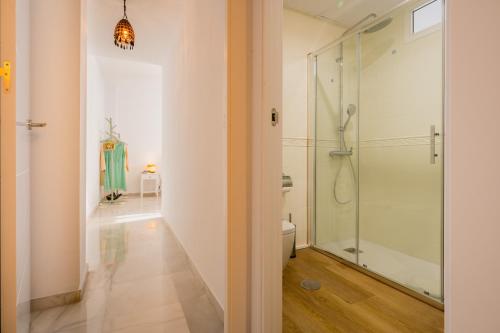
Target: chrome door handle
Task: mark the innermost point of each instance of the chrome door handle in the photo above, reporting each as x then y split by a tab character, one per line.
30	124
433	135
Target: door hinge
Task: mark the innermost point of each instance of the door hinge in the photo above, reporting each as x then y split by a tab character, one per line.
5	74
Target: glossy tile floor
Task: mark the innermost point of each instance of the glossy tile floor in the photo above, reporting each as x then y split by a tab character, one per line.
140	279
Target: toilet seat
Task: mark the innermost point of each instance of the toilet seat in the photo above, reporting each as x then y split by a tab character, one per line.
287	228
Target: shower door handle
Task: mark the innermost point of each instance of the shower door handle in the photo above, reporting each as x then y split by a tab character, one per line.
433	136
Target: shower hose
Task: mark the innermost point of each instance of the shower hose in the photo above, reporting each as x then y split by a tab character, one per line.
337	176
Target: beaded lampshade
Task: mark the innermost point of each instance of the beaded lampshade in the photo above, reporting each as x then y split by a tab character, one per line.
124	33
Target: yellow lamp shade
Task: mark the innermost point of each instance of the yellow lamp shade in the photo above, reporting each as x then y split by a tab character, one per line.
151	168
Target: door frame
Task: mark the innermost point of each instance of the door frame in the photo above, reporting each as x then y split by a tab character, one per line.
8	171
252	285
238	21
254	83
249	265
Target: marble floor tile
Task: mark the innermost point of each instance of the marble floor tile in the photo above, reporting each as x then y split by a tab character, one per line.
140	279
125	298
159	315
174	326
43	321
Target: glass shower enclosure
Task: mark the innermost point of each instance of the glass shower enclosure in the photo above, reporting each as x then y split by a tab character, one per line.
376	110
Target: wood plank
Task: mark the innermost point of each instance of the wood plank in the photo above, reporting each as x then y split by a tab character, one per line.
316	311
407	308
309	268
349	301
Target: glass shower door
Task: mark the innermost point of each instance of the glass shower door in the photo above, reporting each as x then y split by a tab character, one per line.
336	150
378	152
400	157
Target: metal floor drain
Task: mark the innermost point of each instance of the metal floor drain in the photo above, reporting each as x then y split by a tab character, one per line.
352	250
310	284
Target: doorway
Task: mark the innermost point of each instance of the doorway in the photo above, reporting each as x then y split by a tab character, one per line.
140	274
378	175
367	173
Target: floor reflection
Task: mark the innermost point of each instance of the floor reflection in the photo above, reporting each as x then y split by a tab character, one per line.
113	241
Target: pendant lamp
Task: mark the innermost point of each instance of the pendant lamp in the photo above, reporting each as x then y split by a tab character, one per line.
124	33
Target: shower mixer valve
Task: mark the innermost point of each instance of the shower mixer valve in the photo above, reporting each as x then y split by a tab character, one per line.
351	111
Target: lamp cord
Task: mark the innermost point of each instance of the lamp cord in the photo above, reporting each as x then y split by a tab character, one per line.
125	8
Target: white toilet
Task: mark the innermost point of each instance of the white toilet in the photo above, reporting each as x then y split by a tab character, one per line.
288	231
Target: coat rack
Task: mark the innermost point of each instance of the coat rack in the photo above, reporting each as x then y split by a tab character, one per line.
112	135
111	131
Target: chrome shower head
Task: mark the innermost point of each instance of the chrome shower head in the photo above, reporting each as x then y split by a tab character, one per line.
379	26
351	111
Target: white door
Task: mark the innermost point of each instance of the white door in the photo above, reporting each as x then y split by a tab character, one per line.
15	167
23	174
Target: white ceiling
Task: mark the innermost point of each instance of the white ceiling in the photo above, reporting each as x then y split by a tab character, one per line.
153	22
115	70
343	12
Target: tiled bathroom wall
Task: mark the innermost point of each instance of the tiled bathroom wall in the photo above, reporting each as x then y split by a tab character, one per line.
297	44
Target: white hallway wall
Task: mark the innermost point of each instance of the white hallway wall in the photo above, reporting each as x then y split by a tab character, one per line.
131	93
302	34
98	102
194	139
138	114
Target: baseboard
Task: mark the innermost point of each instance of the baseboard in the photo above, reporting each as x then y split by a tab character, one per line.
43	303
132	194
93	212
83	284
211	296
138	195
71	297
303	246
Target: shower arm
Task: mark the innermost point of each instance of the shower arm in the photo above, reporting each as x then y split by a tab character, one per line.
372	15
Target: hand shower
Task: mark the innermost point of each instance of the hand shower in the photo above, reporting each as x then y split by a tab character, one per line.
351	111
343	152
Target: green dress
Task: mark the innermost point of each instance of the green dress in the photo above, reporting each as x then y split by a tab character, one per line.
115	175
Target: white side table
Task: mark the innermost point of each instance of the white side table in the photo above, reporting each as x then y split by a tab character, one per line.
151	177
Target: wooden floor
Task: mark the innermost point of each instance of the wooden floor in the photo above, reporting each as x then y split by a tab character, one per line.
348	301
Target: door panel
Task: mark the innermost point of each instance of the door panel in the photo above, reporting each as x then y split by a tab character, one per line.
335	186
23	174
400	183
